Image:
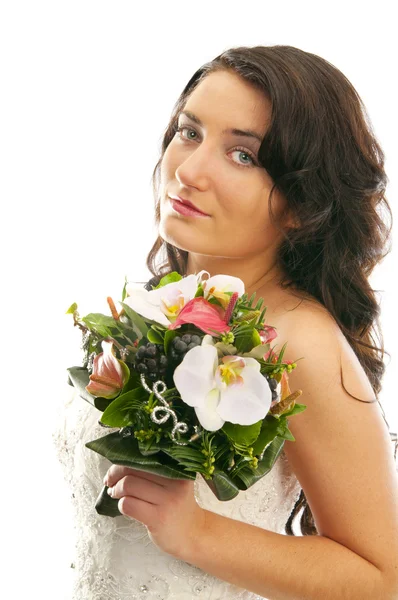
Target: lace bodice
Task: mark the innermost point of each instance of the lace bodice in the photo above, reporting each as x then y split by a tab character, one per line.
115	558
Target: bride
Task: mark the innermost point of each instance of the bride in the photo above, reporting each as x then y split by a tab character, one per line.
270	173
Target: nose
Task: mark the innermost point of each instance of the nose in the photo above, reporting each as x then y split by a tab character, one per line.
197	168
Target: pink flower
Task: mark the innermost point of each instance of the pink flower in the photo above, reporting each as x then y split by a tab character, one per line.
109	374
267	334
204	315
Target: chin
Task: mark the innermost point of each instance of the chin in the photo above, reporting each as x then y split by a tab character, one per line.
169	232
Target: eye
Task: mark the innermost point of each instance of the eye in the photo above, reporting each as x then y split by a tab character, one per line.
248	154
240	150
182	128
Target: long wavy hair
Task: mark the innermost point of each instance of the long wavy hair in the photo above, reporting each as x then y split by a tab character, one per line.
322	154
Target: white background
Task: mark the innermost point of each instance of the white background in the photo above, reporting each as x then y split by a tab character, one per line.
87	89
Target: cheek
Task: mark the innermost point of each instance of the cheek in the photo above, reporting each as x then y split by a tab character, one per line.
246	202
170	163
172	157
165	166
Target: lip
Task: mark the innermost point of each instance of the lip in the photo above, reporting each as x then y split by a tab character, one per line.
189	207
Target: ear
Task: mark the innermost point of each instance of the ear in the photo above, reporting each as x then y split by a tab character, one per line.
290	221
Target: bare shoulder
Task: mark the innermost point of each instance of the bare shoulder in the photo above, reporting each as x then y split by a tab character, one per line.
311	331
299	317
289	306
342	453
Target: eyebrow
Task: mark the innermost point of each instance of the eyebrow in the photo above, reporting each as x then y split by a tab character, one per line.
237	132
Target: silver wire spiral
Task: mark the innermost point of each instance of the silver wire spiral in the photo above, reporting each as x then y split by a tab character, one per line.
179	426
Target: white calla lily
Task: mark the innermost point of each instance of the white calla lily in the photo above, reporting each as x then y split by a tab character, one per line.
231	390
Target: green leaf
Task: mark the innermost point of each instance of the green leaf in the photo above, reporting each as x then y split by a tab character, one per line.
288	435
102	324
139	325
185	454
258	351
122	450
297	408
200	291
117	414
169	336
281	353
251	299
126	371
80	379
245	435
154	337
261	317
134	381
246	336
169	278
124	293
222	485
148	448
244	339
71	309
107	506
259	304
283	428
256	340
102	403
271	427
246	477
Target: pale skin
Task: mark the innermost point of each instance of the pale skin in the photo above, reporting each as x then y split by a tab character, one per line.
342	455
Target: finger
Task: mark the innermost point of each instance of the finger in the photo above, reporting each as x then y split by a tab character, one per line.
137	509
116	472
136	487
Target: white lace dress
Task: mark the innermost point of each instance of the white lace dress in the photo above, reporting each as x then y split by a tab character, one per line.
114	557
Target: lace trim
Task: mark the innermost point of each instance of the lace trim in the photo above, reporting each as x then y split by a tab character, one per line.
115	557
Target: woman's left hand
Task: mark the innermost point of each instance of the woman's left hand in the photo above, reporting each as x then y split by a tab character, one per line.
166	506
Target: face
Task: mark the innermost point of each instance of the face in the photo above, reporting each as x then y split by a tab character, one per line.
217	170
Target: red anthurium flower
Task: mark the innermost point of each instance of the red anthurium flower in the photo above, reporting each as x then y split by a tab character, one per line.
204	315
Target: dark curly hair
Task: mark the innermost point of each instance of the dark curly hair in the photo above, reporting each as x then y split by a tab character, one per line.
322	154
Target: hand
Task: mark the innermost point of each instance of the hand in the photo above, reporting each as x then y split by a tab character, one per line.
167	507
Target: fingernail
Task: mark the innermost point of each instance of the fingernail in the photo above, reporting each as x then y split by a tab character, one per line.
110	491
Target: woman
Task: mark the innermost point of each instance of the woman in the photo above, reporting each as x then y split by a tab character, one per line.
272	146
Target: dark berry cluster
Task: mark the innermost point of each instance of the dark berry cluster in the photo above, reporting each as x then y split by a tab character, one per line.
151	360
180	345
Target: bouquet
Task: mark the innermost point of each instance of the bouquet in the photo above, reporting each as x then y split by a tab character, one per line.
187	375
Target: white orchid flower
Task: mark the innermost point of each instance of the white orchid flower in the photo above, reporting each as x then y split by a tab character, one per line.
164	304
219	284
231	390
